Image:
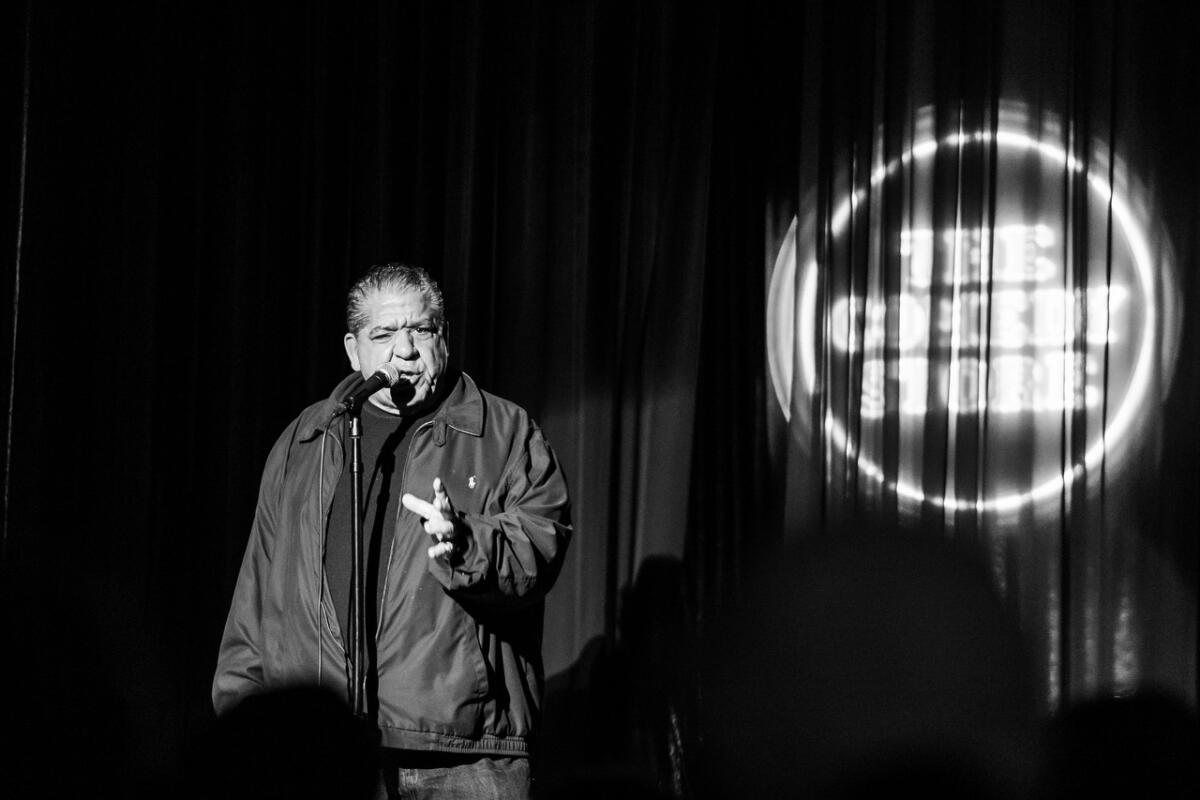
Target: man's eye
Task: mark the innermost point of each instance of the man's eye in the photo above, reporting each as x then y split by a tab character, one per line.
424	331
381	337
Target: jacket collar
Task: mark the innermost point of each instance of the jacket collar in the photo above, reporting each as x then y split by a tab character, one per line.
463	409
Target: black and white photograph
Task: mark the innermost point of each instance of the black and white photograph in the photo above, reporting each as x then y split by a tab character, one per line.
555	399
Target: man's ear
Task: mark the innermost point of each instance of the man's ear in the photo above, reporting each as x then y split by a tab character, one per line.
351	343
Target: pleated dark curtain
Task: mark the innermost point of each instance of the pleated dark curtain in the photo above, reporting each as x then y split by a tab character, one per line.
979	316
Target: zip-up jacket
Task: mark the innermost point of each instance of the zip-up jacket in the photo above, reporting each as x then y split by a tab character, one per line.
458	644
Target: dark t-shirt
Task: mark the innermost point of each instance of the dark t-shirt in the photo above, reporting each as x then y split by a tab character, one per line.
385	440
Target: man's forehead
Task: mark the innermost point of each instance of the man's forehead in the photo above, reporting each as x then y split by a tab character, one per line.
387	304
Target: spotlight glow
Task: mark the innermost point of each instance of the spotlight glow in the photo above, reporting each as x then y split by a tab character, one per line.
1029	367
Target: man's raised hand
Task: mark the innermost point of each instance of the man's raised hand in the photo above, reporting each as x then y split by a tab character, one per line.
439	518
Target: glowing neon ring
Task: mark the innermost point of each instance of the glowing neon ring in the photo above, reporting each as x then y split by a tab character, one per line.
780	356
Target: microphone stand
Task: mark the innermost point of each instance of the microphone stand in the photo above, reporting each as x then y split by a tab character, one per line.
357	645
386	376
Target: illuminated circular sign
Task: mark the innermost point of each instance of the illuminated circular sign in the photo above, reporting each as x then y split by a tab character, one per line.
1048	349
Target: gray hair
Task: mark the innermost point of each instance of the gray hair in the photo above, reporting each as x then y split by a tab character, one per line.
396	276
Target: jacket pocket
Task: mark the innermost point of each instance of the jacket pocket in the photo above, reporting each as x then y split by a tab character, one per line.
433	675
473	648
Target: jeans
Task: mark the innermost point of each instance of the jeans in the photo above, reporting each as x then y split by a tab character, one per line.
447	776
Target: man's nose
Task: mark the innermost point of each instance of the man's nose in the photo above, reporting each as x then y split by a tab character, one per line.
402	346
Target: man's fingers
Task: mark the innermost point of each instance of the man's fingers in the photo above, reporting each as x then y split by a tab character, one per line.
441	528
421	507
440	508
441	549
441	500
438	517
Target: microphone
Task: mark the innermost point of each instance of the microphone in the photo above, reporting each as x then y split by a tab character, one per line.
385	377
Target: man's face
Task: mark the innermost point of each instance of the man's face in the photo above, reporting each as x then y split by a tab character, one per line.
403	329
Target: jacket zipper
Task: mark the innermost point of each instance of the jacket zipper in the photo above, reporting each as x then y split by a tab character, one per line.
387	571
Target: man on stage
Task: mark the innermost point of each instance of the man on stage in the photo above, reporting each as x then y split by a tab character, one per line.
466	522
